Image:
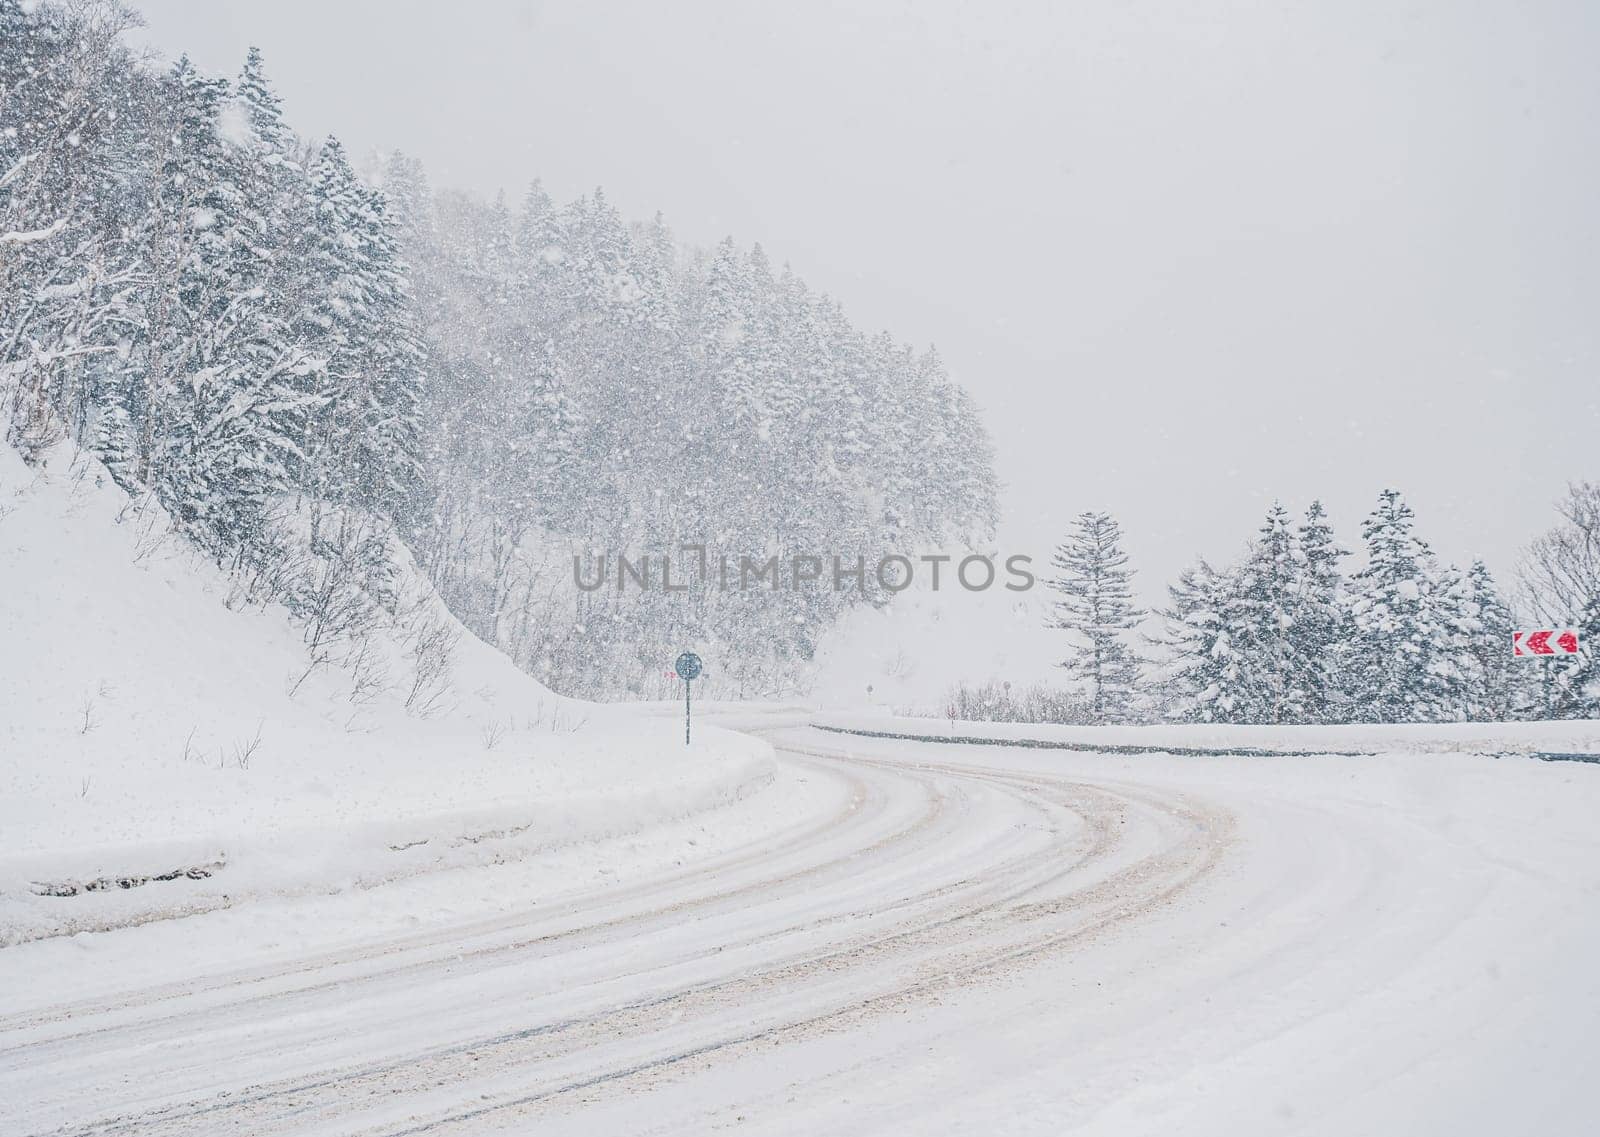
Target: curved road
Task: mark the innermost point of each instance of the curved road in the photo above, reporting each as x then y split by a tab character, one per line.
963	939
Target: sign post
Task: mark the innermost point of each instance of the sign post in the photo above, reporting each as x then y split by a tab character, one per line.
1544	644
687	666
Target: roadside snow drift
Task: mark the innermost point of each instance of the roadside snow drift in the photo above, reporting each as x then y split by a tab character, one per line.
1575	738
154	760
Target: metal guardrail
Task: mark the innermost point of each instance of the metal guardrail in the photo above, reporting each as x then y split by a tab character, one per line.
1555	756
1181	751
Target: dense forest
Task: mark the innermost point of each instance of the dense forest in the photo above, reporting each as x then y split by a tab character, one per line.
308	368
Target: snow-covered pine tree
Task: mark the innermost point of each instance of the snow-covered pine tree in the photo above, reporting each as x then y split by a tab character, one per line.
332	314
273	188
1322	629
356	307
395	360
405	184
656	264
1495	692
537	242
1096	607
1455	669
1203	665
214	408
725	325
262	125
1262	617
1396	669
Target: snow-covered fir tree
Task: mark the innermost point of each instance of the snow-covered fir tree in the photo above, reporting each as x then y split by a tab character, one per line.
210	413
1458	659
1096	608
1495	689
1262	641
1263	623
1202	662
1402	668
1322	627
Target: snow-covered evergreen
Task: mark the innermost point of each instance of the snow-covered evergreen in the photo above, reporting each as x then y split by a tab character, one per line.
1496	688
1259	642
1401	669
363	440
1322	628
1264	618
1200	647
1096	607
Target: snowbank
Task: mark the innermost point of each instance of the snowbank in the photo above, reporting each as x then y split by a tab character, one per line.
148	731
1530	738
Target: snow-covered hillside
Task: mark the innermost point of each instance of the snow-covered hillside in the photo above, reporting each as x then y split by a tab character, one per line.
148	728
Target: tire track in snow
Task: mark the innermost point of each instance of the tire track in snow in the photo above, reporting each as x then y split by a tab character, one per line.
772	981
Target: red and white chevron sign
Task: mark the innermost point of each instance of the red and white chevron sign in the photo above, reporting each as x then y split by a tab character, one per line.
1544	641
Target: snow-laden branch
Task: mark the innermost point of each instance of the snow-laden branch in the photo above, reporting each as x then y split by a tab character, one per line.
16	169
29	237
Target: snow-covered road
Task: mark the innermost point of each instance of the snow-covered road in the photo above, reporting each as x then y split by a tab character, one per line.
924	939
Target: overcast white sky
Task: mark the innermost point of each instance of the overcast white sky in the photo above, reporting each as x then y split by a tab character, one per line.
1188	256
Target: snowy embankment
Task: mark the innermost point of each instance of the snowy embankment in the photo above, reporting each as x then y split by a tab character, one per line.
1578	739
162	749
